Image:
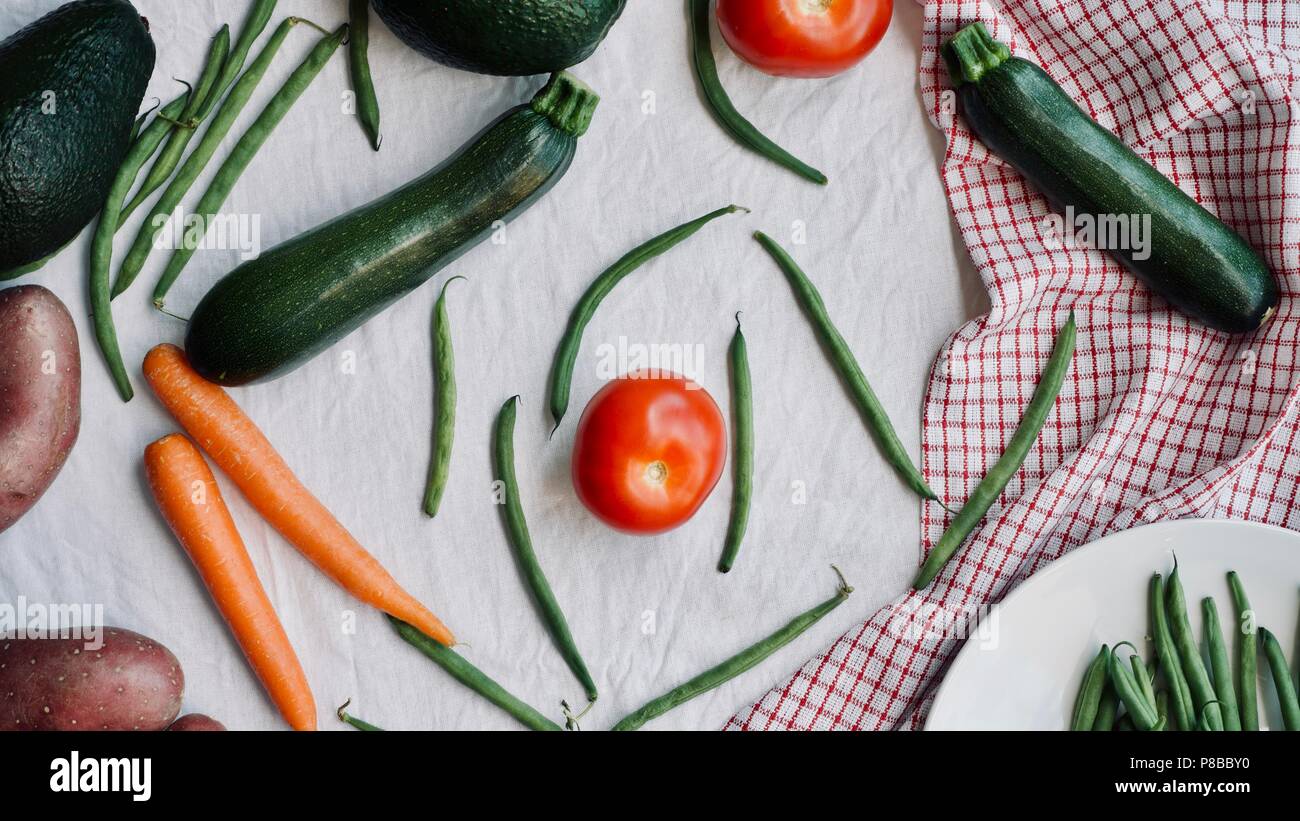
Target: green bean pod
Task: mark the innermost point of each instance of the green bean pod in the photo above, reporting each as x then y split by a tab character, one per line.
245	150
1107	708
723	110
873	413
1220	667
1286	689
101	247
503	458
742	456
1143	678
567	354
1247	654
1022	441
444	409
353	721
1088	701
363	85
473	678
737	664
254	24
188	123
1198	679
1132	693
1162	710
1167	656
198	159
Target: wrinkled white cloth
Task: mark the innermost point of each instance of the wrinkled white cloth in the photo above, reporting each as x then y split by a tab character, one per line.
647	613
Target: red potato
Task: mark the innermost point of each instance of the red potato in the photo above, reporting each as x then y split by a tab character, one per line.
129	682
196	722
40	396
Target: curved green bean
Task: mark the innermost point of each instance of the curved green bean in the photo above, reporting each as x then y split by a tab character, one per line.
353	721
1282	683
359	61
1198	680
737	664
183	132
473	678
259	15
724	111
444	409
1167	657
873	413
995	481
1247	654
1220	667
1132	692
1087	703
101	247
503	458
742	457
567	354
198	159
244	152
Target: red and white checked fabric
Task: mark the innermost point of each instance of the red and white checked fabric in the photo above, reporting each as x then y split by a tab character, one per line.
1159	418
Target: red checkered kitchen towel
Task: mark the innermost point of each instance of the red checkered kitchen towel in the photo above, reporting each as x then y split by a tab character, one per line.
1160	418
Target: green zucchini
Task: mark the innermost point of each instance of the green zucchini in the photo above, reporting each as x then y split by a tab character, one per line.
274	313
1201	266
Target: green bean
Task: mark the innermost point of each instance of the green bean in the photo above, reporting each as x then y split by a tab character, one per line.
503	458
742	412
1143	678
1203	723
1220	667
473	678
1198	680
259	15
1162	710
873	413
354	721
101	247
182	132
1167	657
244	152
1247	654
737	664
1088	701
1107	708
1282	683
194	164
724	111
995	481
567	354
359	60
444	410
1131	692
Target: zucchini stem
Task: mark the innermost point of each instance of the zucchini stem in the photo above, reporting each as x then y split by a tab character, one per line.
972	53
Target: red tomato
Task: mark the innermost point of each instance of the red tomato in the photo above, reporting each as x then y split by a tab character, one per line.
803	38
648	452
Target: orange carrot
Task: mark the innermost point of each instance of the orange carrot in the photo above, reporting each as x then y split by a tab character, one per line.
190	501
241	450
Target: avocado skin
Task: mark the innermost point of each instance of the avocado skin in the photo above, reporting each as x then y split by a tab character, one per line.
503	37
96	56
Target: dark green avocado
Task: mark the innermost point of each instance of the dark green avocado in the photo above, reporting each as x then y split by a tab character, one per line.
70	87
505	37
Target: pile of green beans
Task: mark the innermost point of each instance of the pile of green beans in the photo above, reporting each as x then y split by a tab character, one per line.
567	353
473	678
246	149
359	62
444	408
724	111
503	459
742	457
737	664
873	413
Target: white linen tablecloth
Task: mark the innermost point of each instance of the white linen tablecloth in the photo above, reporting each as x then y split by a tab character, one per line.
647	613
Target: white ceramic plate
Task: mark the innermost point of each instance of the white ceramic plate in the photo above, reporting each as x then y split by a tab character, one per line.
1048	629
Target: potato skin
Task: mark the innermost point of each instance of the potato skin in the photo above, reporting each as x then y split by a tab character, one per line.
196	722
130	683
40	395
